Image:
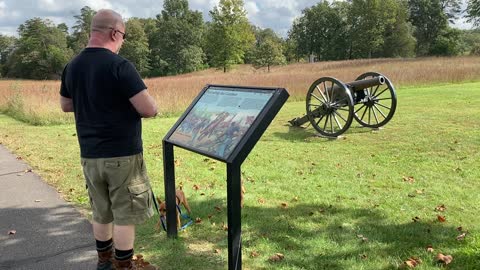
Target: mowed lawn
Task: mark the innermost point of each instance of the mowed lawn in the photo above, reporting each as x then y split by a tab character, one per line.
370	200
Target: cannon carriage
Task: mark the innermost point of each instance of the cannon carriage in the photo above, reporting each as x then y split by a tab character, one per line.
331	105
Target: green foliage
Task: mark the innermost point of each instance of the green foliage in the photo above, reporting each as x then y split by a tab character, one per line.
7	45
229	35
369	20
431	18
473	12
268	50
398	36
177	39
135	47
447	44
41	51
322	31
81	29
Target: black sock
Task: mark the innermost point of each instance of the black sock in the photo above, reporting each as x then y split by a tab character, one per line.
123	255
104	245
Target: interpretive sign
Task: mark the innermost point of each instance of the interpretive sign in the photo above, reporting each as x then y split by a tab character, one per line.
220	117
224	123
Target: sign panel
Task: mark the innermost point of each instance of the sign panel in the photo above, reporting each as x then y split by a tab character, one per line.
219	119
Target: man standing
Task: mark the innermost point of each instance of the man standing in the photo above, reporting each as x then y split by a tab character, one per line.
109	98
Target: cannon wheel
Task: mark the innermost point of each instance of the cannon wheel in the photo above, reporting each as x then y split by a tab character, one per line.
379	104
329	112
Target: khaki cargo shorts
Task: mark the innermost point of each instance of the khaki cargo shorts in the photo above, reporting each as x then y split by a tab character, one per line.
119	189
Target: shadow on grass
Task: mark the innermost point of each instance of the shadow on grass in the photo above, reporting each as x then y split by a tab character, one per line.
311	237
308	132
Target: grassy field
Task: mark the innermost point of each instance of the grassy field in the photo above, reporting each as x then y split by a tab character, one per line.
367	201
36	102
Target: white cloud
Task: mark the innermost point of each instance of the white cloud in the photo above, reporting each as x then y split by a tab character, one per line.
251	8
275	14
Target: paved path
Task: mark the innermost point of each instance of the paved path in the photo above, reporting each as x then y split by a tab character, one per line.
50	233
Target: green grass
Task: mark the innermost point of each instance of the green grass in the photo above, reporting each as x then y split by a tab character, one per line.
335	190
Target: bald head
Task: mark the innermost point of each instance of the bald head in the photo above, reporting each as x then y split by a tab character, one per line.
106	19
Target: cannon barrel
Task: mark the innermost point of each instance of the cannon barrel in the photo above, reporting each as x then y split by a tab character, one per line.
362	84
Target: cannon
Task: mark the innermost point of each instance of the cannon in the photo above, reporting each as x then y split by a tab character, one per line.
332	105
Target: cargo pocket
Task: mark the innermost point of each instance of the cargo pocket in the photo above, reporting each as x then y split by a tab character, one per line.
141	196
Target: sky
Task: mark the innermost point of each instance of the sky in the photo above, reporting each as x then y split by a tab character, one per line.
275	14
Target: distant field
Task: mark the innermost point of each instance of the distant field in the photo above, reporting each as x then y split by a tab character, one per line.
368	201
36	102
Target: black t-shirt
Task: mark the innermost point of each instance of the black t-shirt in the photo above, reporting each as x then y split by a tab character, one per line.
100	83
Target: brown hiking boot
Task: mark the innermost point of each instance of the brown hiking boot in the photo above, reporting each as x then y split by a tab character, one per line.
136	263
105	260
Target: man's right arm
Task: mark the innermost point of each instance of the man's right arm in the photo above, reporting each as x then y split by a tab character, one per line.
144	104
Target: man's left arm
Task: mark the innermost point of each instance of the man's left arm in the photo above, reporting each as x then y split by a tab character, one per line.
66	104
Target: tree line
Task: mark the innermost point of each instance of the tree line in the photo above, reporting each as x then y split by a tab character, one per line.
178	40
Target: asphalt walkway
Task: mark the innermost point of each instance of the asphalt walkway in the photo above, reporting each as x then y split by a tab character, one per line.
38	229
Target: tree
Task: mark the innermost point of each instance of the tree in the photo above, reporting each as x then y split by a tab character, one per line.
430	18
81	29
321	31
229	35
135	47
473	12
369	19
398	36
7	45
176	45
269	52
41	51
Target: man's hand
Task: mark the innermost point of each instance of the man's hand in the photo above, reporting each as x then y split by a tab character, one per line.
144	104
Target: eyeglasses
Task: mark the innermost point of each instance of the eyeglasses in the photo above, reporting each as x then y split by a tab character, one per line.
124	35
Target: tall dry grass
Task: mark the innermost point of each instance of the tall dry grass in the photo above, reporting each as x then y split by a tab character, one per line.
39	99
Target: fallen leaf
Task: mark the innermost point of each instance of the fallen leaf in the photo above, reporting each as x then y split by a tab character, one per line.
37	200
444	259
254	254
217	251
460	228
363	256
19	158
412	262
461	237
210	216
196	187
441	218
440	208
198	220
420	191
28	170
225	227
206	160
409	179
277	257
430	248
218	208
295	199
12	232
416	219
177	162
284	205
261	201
